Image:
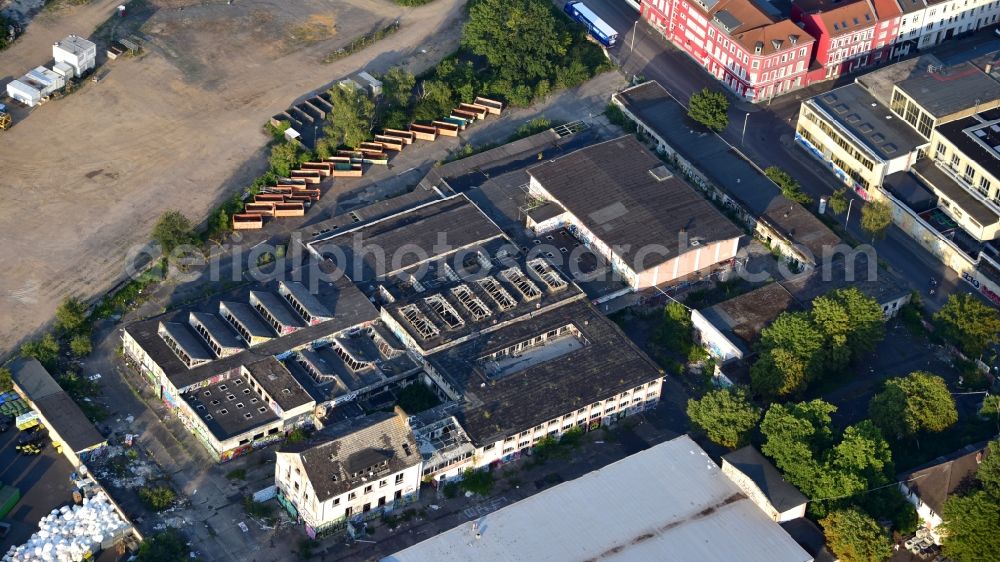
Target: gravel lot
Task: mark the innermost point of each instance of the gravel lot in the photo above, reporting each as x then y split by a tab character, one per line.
84	178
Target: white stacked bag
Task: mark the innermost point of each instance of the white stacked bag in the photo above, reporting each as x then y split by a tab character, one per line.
69	533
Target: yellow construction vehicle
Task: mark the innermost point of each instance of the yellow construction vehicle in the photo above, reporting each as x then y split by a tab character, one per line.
5	120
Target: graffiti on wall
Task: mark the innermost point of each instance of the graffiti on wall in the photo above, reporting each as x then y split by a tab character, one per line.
981	287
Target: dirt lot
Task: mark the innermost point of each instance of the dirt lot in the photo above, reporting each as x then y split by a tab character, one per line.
82	179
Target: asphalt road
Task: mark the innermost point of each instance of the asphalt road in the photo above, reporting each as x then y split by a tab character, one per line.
644	52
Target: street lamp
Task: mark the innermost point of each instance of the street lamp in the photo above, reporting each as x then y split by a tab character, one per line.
849	205
744	135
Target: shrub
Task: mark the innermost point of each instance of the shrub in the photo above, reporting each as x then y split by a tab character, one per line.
157	498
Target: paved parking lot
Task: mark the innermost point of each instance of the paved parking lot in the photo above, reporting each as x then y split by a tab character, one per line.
44	483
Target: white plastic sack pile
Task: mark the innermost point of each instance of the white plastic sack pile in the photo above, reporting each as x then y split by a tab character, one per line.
67	534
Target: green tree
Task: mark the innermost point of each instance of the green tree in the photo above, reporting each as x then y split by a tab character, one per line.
990	407
675	332
725	415
969	324
71	315
6	380
790	186
853	536
349	123
397	87
852	323
168	545
800	440
45	350
710	109
970	527
876	216
779	372
80	345
916	403
172	230
839	202
285	156
436	100
791	433
988	473
523	40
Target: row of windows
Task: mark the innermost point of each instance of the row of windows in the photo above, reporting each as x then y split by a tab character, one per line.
840	140
981	183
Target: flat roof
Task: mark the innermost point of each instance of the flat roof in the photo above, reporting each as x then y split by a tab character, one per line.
978	137
356	216
230	408
464	173
782	495
951	89
338	458
278	383
481	290
855	110
745	316
626	197
725	166
76	45
350	308
927	170
58	409
882	81
670	498
33	379
409	238
498	405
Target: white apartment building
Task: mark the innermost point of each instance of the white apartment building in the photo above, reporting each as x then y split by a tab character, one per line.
353	471
77	52
926	23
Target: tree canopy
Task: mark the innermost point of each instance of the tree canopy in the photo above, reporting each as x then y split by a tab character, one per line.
916	403
397	86
725	415
790	186
45	350
349	123
285	156
876	216
970	526
709	108
988	473
842	326
71	316
435	100
839	202
521	39
800	439
6	380
173	230
853	536
969	323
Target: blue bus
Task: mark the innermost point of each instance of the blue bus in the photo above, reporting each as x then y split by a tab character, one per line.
599	29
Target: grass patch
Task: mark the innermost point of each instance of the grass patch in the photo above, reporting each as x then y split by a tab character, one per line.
131	294
157	498
258	510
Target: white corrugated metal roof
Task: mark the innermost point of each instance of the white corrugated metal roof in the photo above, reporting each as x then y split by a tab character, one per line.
670	502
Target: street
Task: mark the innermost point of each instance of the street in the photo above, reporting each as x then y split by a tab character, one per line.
643	52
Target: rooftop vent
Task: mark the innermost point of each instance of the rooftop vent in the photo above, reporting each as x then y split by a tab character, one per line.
841	108
660	173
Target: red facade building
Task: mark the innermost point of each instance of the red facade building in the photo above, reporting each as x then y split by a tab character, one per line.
754	51
851	35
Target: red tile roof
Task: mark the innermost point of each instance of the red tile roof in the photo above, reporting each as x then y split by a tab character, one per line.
754	26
